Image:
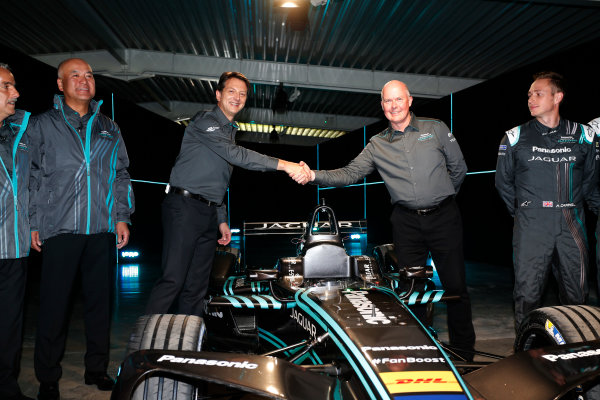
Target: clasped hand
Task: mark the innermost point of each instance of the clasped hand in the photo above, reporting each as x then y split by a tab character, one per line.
301	173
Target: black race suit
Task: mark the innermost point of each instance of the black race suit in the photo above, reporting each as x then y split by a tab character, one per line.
543	175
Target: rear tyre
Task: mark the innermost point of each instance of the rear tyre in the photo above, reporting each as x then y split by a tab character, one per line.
550	326
166	332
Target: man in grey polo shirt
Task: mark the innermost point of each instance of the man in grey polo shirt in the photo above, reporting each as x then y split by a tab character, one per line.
193	211
422	167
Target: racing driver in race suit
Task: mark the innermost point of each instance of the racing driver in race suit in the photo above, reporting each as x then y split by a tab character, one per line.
545	171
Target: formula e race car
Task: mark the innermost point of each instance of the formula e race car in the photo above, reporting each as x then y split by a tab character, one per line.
327	325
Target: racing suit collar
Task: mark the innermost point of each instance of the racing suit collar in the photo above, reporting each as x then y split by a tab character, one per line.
545	130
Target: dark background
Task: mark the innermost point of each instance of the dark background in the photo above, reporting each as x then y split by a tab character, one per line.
480	117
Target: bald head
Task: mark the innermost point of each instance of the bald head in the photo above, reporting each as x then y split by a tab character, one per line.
65	64
395	84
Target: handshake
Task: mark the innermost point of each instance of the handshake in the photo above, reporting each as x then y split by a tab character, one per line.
300	172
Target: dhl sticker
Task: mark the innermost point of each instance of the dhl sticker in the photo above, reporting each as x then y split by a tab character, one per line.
420	381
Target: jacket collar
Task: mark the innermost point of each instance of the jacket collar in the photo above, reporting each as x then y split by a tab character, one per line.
59	102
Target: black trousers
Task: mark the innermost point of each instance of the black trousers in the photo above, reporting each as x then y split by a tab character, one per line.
439	233
189	243
63	257
13	276
544	240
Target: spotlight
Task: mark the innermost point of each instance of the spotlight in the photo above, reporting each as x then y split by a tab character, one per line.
297	12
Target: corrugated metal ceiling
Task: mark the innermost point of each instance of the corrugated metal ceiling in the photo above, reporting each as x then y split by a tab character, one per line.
461	42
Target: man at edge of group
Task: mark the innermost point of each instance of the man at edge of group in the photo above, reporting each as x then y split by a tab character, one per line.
193	211
422	167
81	197
594	202
15	162
545	171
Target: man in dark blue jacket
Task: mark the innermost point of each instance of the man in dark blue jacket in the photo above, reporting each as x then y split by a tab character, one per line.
15	164
81	199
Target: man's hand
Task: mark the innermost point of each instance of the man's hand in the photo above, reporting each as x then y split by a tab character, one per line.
36	243
295	171
309	172
122	234
225	234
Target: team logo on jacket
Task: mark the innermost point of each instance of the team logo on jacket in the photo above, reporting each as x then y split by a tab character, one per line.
106	135
425	136
212	128
23	146
567	139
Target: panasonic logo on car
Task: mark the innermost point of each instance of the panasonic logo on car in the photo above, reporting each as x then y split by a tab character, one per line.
304	322
572	356
366	308
204	361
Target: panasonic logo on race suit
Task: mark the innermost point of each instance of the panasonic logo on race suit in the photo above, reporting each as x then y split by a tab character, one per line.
407	360
204	361
559	150
366	308
304	322
572	356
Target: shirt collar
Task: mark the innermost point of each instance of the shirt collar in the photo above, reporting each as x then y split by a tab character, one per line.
222	119
411	127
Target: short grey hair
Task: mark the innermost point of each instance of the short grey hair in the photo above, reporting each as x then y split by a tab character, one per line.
5	66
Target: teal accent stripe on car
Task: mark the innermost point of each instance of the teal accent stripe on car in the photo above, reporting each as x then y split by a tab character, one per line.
344	343
234	302
263	303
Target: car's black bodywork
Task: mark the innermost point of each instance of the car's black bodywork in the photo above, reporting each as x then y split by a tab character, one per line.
328	325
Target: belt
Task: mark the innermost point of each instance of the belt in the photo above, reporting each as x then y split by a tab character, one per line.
427	211
185	193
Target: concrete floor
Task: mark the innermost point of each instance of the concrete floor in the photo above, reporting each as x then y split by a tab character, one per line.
490	288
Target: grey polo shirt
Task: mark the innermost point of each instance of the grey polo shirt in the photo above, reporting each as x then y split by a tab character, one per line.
420	167
207	157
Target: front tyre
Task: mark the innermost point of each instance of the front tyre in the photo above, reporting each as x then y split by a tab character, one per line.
166	332
550	326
